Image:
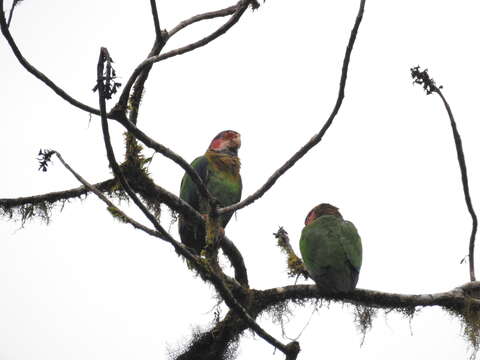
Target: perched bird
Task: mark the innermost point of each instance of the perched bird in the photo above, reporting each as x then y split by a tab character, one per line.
331	249
219	169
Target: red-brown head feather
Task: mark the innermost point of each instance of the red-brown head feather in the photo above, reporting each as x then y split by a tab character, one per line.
322	209
226	141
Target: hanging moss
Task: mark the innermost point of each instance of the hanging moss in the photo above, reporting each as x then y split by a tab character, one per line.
364	316
469	317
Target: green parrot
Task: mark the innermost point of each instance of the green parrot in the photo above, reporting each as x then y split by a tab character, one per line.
219	169
331	249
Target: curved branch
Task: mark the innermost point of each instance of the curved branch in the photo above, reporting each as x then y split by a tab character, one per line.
32	70
422	78
200	17
466	191
240	9
236	259
317	138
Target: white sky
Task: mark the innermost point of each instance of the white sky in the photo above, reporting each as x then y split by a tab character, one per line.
88	287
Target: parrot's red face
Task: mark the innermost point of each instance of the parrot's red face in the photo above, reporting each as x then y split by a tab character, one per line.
322	209
227	141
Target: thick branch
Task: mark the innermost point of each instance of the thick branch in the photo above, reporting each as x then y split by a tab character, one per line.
32	70
317	138
454	299
211	343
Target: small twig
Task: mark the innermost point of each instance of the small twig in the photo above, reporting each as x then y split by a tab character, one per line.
317	138
14	4
423	78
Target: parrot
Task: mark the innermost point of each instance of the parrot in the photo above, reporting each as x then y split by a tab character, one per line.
331	250
219	168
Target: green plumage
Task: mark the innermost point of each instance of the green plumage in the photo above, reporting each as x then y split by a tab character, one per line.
221	174
332	253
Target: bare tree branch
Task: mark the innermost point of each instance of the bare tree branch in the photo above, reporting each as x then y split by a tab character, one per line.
317	138
242	5
14	5
423	78
156	21
32	70
200	17
466	191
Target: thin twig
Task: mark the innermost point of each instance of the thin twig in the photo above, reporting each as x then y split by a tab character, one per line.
102	197
317	138
466	191
31	69
422	77
10	15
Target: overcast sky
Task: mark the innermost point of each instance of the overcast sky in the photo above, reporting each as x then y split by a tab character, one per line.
88	287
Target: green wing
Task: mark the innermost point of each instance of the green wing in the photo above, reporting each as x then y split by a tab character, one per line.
352	244
193	235
188	189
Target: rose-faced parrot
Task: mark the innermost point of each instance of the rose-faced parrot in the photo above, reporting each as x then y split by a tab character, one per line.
331	249
219	169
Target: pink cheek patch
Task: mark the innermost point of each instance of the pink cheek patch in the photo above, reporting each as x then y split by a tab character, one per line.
310	217
216	144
